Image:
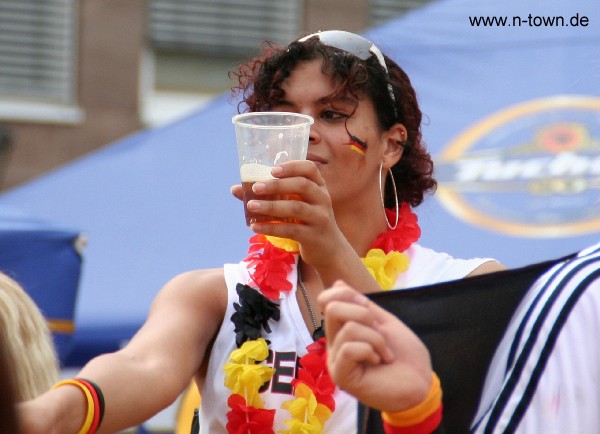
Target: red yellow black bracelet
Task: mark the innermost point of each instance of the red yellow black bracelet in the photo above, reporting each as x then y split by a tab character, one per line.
94	402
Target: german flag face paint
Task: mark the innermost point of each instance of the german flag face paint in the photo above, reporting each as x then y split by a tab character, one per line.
358	145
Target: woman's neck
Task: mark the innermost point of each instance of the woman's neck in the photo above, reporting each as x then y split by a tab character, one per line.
361	225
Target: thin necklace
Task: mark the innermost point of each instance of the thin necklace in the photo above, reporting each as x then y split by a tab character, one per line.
318	330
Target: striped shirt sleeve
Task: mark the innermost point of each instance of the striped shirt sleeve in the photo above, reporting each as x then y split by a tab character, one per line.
545	376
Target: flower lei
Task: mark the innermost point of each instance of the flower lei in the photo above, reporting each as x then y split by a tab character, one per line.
269	262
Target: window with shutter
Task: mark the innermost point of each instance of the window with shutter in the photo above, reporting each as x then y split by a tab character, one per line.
381	11
38	60
222	26
193	44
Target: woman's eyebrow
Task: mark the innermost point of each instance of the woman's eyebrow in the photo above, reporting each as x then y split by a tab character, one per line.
336	99
325	100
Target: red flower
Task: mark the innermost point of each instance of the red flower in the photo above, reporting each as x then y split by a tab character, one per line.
271	267
406	233
243	419
316	359
257	243
318	347
314	373
322	386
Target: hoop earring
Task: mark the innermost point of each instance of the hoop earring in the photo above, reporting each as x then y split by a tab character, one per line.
395	196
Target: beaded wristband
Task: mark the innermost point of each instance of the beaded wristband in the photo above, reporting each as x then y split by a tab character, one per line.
415	415
89	418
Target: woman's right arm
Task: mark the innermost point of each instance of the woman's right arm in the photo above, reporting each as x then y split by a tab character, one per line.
368	346
150	372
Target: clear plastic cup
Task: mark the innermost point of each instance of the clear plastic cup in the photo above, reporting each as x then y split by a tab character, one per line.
264	140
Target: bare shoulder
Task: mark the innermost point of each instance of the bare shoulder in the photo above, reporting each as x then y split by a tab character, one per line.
199	290
487	267
198	279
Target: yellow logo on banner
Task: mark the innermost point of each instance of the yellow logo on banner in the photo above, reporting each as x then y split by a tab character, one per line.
531	170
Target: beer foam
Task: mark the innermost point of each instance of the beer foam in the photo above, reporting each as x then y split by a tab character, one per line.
253	172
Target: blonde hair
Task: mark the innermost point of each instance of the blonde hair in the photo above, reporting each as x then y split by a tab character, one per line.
27	340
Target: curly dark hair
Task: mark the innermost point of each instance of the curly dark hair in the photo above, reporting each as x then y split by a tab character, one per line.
259	89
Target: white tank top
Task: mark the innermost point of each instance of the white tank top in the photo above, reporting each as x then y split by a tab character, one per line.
289	338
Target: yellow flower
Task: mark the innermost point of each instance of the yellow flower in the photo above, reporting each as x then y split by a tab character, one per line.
297	427
386	268
238	376
243	376
246	380
250	352
308	416
284	243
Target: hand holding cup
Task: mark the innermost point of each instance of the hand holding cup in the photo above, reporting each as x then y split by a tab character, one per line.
264	140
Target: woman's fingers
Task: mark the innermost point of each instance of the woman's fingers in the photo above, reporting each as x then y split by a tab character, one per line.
299	168
237	191
343	295
300	178
368	347
350	317
353	334
317	233
302	181
347	366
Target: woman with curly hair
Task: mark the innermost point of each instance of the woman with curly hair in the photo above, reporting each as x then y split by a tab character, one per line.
251	333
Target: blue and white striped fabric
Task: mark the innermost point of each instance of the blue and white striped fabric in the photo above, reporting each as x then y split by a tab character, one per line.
545	375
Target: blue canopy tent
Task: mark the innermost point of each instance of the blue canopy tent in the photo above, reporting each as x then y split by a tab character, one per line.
45	259
512	119
152	205
157	203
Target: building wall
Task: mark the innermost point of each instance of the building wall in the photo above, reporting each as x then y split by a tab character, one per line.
111	37
350	15
111	44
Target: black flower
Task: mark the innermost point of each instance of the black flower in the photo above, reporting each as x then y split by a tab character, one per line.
252	314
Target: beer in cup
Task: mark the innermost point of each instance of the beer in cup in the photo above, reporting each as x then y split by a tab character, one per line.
264	140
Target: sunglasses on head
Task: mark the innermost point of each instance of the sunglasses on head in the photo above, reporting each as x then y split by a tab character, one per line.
354	44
